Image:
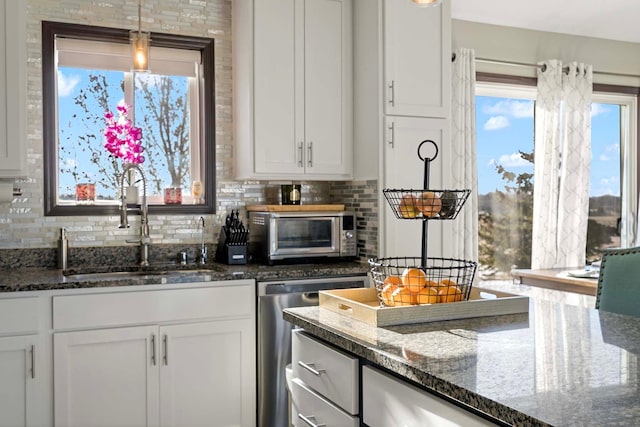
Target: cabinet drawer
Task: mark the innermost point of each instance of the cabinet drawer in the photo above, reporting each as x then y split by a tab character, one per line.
327	371
309	408
140	307
388	401
19	315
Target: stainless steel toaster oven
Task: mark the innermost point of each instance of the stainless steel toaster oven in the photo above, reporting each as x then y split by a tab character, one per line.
288	235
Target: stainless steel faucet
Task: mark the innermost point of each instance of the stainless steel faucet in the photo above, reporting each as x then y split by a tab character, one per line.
203	248
144	239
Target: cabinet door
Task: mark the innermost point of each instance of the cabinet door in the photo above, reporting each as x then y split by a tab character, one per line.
278	122
13	87
404	170
327	87
106	377
417	59
207	376
388	401
19	381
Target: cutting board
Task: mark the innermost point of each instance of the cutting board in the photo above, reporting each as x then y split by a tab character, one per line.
294	208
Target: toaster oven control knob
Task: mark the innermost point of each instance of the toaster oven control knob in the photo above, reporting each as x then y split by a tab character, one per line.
348	235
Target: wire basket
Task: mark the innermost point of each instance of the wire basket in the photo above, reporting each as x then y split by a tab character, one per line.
426	204
405	281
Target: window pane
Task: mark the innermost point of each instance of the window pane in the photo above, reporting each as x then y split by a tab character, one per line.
83	97
505	130
162	106
604	190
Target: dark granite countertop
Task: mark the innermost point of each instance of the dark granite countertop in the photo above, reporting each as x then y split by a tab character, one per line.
557	365
34	279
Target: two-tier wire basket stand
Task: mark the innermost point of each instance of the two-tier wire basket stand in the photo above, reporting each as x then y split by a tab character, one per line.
420	280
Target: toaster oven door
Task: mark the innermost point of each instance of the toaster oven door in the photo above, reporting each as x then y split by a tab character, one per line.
300	236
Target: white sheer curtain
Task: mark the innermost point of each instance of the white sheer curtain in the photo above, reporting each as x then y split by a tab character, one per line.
562	160
464	229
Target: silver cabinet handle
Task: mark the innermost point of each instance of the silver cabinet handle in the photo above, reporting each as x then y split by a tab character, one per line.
308	421
300	153
166	350
33	362
392	97
311	368
392	128
153	349
310	157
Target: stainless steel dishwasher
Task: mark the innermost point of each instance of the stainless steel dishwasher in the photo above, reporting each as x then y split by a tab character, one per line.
274	338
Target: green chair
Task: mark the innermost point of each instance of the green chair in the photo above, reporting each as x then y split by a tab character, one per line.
619	281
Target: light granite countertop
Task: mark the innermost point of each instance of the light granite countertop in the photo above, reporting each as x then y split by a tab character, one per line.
36	279
557	365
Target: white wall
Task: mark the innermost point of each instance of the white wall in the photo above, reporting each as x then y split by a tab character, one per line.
528	46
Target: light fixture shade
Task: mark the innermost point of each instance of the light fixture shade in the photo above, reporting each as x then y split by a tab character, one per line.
426	3
140	41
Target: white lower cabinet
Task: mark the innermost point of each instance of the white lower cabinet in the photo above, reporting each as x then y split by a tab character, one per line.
324	390
20	381
204	380
23	375
310	409
106	377
387	401
172	372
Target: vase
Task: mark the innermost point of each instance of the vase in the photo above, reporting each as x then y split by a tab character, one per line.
173	196
85	193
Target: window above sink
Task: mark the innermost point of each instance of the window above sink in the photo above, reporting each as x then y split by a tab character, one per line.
86	72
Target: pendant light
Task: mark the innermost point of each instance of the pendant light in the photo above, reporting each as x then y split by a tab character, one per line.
140	41
426	3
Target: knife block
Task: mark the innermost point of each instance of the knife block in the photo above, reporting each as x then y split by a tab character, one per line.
230	254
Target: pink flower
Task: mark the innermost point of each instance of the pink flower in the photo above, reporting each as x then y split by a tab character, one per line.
121	138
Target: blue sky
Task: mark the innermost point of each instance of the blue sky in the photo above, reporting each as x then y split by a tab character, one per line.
505	126
73	129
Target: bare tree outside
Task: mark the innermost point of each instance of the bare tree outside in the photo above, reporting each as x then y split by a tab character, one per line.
161	110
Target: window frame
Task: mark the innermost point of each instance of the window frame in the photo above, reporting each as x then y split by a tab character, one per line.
207	128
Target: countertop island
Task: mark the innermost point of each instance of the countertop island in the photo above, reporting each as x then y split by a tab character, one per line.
558	365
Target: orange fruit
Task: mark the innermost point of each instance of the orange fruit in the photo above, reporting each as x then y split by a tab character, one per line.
429	204
414	279
402	296
449	294
428	295
407	207
447	282
390	286
393	280
431	283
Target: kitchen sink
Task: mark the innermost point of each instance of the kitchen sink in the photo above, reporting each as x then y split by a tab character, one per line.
116	275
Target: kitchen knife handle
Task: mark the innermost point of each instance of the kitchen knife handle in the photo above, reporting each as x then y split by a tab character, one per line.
300	153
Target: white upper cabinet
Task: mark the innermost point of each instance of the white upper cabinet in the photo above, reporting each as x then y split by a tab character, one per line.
12	88
417	60
292	88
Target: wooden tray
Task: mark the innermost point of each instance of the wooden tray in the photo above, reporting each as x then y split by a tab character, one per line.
294	208
362	304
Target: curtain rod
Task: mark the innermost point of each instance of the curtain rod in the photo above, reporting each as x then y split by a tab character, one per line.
542	66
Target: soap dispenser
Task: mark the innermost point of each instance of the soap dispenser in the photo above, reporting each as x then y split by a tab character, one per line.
63	247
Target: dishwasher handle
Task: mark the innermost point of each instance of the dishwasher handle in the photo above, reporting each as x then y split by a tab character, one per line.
309	287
